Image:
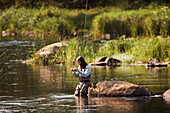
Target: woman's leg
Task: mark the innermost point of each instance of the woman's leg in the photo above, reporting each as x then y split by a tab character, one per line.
78	88
84	89
77	92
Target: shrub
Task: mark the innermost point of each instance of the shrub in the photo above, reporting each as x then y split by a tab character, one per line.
133	22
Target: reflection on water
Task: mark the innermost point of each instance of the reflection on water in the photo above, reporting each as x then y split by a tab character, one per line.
61	103
121	105
50	89
82	104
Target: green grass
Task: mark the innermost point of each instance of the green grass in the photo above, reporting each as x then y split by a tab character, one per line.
133	23
51	24
137	49
127	50
100	21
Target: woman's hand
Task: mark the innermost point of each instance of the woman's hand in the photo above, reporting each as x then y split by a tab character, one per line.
74	69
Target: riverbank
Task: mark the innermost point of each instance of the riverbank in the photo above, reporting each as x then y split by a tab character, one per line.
130	50
132	35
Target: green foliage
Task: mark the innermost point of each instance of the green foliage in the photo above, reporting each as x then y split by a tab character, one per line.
47	20
139	49
133	23
116	47
73	4
151	48
127	50
78	47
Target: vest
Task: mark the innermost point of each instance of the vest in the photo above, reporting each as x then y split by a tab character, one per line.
84	79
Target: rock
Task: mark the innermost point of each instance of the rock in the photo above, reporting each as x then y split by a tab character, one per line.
166	96
13	34
103	61
167	63
4	33
117	89
50	49
109	36
123	36
157	65
167	93
153	61
98	64
112	61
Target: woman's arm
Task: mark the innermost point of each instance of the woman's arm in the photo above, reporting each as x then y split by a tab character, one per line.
86	73
75	73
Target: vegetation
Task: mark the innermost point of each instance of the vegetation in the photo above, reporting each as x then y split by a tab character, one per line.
130	50
133	23
132	4
52	21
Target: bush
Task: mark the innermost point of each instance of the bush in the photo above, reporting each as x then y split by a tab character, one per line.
133	23
78	47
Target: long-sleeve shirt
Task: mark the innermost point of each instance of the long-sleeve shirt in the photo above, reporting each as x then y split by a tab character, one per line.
83	73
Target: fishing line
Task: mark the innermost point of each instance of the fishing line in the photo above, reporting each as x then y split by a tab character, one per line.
85	26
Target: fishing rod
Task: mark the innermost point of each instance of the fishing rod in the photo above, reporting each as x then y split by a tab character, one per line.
85	25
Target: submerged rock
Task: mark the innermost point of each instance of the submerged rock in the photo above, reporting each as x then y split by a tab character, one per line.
117	89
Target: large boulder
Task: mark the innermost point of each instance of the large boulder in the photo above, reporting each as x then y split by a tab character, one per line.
50	49
117	89
166	96
167	93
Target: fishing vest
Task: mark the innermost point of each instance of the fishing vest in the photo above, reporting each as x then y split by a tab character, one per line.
84	79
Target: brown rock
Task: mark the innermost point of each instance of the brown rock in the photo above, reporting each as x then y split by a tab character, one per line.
166	96
50	49
167	93
117	89
153	61
101	59
112	61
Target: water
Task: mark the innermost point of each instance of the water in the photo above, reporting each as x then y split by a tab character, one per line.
49	89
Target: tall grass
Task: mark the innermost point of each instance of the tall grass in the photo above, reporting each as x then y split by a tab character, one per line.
127	50
138	49
146	48
133	22
79	47
47	19
100	21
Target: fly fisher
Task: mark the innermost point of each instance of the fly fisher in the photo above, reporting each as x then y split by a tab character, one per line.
83	73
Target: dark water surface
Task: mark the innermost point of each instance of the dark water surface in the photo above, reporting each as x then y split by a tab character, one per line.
49	89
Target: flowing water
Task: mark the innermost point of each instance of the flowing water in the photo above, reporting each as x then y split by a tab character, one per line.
49	89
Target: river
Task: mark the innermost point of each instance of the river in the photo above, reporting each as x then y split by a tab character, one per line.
30	88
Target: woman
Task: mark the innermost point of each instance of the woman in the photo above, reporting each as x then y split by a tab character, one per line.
83	72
